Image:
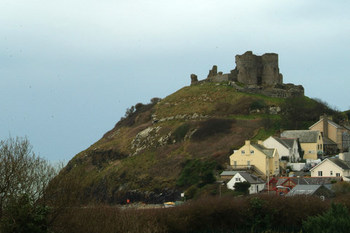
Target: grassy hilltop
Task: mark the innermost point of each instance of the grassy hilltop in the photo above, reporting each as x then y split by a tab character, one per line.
181	142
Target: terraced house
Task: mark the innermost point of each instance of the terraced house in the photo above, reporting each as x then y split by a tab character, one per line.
335	137
333	167
260	160
311	142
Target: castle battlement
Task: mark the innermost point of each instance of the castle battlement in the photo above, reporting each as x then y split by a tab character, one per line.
259	74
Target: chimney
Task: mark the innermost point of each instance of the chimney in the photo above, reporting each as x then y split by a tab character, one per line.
260	142
325	126
247	143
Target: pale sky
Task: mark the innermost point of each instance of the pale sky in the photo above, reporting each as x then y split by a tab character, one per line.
70	68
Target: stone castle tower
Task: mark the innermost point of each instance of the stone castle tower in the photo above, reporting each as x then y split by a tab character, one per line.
257	70
259	74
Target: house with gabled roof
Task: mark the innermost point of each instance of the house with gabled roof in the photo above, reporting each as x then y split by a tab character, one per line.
256	184
254	156
312	190
311	142
333	167
335	137
287	148
227	175
285	184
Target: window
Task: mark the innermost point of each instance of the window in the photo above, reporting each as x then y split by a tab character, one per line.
242	152
252	151
321	146
235	163
337	174
248	163
331	173
319	173
238	179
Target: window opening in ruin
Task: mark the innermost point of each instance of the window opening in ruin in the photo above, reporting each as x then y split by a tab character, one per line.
259	80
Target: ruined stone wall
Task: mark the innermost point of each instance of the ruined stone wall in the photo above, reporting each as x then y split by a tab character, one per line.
259	74
258	70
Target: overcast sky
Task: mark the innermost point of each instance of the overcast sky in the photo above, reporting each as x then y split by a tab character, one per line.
70	68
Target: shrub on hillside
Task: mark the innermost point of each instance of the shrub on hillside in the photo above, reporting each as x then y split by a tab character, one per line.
196	172
241	107
211	127
180	132
299	112
258	104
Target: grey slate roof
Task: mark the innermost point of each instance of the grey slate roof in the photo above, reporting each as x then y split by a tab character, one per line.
346	127
252	179
266	151
303	189
305	136
341	163
228	173
308	180
286	142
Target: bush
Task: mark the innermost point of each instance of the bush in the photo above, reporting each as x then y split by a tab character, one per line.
22	215
211	127
257	104
196	172
336	219
180	132
242	187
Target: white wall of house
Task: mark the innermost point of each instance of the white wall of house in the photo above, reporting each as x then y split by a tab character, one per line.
328	169
254	188
270	142
296	166
292	153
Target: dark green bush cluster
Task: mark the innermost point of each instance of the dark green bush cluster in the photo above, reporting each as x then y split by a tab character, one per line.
300	112
180	132
258	104
268	213
22	215
211	127
336	219
196	172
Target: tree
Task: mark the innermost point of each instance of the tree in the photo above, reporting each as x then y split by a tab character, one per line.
336	219
23	176
242	187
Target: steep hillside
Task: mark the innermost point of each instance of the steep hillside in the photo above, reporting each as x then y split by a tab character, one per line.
178	143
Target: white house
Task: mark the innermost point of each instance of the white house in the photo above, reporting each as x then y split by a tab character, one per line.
256	184
286	147
333	167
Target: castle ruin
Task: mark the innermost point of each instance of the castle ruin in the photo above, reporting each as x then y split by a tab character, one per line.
257	74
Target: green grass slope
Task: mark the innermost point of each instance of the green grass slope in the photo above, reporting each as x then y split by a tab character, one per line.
180	143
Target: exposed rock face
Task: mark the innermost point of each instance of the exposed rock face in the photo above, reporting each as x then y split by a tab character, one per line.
258	74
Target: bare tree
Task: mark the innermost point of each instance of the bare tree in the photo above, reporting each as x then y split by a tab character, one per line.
22	172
